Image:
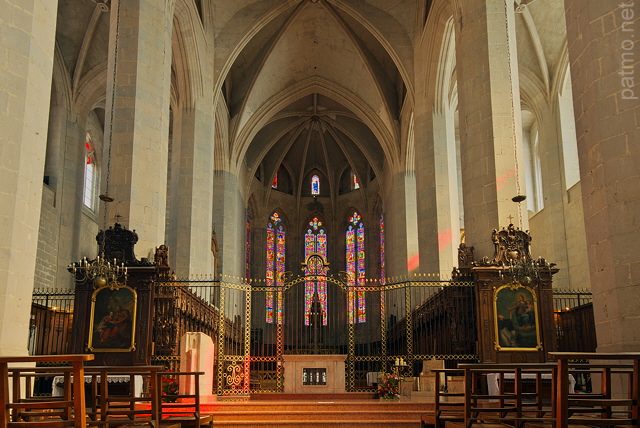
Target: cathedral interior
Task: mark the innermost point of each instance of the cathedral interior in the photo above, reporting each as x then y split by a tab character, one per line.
362	140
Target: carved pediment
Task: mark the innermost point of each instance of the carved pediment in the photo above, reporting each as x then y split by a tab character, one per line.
118	243
511	245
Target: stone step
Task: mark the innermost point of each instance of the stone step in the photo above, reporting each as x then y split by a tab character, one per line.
370	413
318	415
395	423
314	405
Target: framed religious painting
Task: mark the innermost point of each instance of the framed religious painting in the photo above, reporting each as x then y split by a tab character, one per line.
516	318
113	316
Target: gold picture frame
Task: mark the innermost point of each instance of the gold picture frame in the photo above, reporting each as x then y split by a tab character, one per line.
516	322
112	325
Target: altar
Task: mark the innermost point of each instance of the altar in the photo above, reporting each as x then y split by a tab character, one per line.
314	373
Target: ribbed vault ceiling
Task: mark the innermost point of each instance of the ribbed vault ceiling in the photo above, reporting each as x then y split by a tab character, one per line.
316	89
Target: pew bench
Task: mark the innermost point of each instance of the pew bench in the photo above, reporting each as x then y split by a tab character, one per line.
22	408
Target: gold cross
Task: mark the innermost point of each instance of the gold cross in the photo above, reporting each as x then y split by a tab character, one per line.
510	217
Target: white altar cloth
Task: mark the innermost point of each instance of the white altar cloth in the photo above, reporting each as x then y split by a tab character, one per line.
493	378
57	390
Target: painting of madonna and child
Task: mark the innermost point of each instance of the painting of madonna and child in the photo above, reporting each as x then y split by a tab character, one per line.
112	319
516	318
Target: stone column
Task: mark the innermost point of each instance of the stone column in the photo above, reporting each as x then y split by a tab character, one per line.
229	218
489	108
559	226
437	190
138	107
27	31
258	252
189	232
401	252
70	199
604	50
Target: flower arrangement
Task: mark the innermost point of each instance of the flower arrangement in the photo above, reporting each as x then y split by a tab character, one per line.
169	387
388	385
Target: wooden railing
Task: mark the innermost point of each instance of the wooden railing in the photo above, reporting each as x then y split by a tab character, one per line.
548	400
70	409
113	410
184	407
143	402
598	408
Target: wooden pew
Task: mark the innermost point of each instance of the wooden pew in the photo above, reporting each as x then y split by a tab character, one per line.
111	410
514	407
449	406
71	412
184	408
571	408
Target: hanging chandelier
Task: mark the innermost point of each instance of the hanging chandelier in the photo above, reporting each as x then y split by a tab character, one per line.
100	271
512	254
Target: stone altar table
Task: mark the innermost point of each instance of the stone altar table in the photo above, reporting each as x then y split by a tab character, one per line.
324	373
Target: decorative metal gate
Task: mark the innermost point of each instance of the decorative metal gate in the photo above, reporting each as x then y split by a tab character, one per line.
413	320
410	321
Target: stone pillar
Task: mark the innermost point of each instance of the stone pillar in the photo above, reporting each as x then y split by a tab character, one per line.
401	252
437	187
138	106
551	241
489	108
258	253
27	30
192	191
70	201
604	51
229	219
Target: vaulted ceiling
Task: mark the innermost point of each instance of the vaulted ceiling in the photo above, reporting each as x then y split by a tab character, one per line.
321	86
311	84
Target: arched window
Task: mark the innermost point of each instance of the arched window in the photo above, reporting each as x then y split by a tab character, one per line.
355	258
276	247
89	198
315	185
568	132
532	168
274	183
315	242
354	180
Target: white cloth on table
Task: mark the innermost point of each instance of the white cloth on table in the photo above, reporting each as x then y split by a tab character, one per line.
372	377
493	378
57	390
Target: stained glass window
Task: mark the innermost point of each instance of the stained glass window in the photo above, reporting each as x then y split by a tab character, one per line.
89	174
315	185
274	183
315	242
356	184
276	250
355	261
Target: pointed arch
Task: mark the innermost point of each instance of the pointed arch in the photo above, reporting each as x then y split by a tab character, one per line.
188	46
